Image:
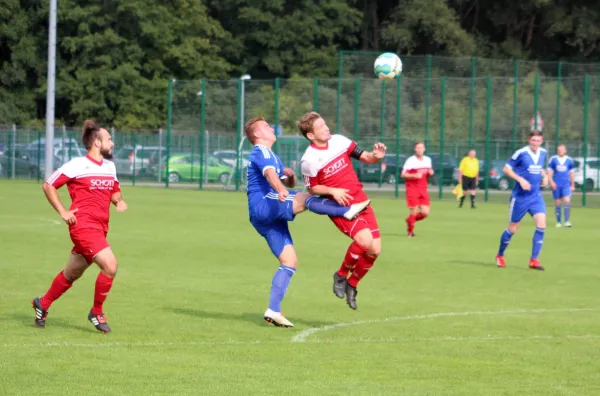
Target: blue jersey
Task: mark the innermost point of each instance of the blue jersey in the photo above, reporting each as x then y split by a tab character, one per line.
261	159
561	167
528	165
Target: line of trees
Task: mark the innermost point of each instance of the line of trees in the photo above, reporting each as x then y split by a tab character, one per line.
114	57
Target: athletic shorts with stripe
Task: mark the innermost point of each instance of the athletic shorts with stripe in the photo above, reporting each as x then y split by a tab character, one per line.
364	220
270	218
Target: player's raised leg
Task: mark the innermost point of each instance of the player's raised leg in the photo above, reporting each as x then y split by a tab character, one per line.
107	262
538	240
76	266
324	206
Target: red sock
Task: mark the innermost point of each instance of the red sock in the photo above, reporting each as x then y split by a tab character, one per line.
420	216
410	222
59	286
365	263
352	255
103	285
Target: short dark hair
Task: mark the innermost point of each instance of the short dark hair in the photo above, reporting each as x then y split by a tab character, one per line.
249	127
536	133
305	123
91	131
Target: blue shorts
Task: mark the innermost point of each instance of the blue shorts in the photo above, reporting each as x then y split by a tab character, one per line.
270	218
519	206
561	191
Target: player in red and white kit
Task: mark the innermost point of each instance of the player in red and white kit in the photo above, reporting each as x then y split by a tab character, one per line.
93	186
328	172
416	172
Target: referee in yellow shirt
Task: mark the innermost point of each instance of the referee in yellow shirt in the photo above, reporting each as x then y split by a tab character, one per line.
468	176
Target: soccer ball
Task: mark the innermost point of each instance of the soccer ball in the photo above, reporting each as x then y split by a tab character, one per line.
388	66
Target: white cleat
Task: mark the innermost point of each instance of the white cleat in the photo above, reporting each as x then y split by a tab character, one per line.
568	224
276	318
356	209
558	225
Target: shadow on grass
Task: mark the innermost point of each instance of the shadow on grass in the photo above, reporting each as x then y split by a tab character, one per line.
250	317
27	320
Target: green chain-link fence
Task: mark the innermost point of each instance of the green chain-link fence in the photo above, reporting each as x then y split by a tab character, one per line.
202	145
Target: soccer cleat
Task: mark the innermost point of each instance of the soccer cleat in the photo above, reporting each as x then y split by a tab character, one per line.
99	321
558	225
356	209
339	285
473	206
411	235
568	224
276	318
500	261
351	293
535	264
40	313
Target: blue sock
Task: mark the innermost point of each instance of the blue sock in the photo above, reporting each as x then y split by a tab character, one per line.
324	206
538	241
504	240
279	286
558	212
567	211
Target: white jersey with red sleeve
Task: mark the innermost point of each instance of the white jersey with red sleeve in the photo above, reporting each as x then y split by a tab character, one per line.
91	185
331	166
414	165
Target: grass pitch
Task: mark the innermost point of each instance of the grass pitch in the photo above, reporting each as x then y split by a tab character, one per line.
435	316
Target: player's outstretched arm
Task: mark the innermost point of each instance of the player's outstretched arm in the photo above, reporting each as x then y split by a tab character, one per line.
339	195
52	196
373	157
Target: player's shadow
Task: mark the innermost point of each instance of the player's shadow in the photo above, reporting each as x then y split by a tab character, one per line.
27	320
250	317
486	264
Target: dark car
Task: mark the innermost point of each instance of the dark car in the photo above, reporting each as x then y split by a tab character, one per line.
384	171
446	174
498	179
23	166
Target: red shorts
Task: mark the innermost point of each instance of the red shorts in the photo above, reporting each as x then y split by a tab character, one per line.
364	220
417	198
88	243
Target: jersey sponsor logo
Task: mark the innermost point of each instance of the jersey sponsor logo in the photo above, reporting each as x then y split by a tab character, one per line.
534	169
101	184
561	168
335	167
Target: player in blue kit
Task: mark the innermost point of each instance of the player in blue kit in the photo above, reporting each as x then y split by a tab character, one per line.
271	206
561	173
526	167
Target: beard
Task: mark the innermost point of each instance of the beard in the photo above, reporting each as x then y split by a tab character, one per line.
106	154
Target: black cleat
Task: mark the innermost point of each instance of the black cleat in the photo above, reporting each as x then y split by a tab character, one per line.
411	235
351	293
40	313
99	321
339	285
473	206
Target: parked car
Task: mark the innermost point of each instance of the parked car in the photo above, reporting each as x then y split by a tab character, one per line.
449	165
59	143
498	179
384	171
592	167
230	157
25	162
187	167
141	159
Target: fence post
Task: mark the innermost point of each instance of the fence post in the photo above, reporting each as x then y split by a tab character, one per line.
381	125
39	139
160	133
598	133
113	135
316	94
356	107
472	104
427	99
238	134
339	91
536	101
202	127
398	130
515	105
488	134
14	152
277	85
442	115
134	157
169	118
586	97
558	86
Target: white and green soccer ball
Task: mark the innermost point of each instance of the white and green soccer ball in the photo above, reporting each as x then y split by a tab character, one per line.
388	66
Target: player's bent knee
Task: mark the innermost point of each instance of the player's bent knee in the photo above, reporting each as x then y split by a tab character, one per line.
300	202
288	257
364	238
513	227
